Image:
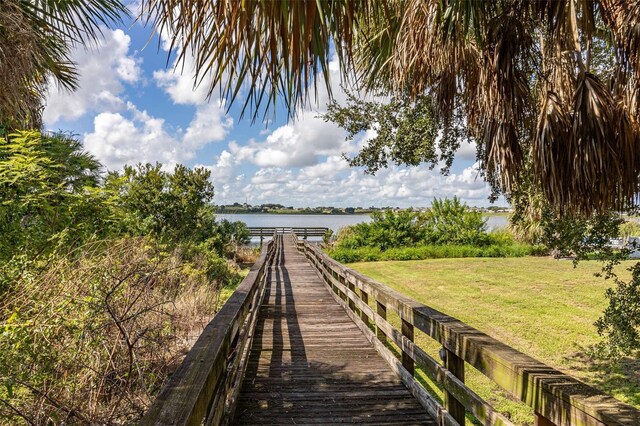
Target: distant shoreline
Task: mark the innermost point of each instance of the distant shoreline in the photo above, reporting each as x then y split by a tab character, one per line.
302	213
284	213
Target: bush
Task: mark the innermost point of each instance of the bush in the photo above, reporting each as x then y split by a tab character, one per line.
104	283
91	339
373	254
451	222
630	228
448	222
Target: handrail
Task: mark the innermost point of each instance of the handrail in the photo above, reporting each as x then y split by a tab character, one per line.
206	385
557	399
267	231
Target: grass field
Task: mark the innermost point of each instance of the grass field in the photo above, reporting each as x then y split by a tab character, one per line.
540	306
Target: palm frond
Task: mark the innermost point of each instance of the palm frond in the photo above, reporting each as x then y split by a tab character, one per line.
35	42
77	20
587	147
519	72
276	48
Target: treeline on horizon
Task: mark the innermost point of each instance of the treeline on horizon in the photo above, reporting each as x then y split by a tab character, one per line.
237	208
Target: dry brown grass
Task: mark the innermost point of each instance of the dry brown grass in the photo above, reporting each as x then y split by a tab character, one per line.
94	338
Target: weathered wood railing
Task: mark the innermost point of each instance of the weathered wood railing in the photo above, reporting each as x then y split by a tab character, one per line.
206	385
557	399
268	231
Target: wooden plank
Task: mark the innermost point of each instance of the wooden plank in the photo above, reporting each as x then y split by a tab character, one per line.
455	365
407	361
470	400
187	396
308	357
558	397
427	401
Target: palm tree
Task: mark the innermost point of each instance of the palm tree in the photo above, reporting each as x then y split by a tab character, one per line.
36	37
555	81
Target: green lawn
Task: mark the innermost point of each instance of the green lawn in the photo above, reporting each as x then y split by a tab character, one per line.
540	306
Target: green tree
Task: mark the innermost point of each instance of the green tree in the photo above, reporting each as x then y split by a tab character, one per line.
49	193
228	236
167	205
449	221
393	229
407	131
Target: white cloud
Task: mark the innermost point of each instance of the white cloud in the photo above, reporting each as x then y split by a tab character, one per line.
333	165
180	81
209	124
117	140
181	87
139	137
103	71
297	144
332	182
467	151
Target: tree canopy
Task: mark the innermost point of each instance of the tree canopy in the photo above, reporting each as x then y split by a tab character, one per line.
558	79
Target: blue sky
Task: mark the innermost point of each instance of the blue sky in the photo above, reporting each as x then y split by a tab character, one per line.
131	106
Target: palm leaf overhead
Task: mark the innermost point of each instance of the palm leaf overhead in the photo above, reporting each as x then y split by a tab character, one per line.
35	41
554	81
273	47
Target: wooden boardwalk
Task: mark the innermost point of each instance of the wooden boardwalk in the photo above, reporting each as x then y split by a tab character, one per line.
310	364
283	350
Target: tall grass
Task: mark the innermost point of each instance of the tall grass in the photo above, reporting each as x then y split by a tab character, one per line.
93	336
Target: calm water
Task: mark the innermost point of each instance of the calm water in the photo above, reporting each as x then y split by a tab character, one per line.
333	222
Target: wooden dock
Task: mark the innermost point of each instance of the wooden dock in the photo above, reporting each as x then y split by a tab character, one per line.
310	363
306	340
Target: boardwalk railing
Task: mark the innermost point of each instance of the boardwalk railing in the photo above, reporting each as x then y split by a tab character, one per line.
206	385
299	231
557	399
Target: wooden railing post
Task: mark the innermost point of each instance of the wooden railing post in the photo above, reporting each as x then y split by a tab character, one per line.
407	360
455	365
343	295
351	287
364	296
382	312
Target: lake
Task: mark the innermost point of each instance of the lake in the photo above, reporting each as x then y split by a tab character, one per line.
333	222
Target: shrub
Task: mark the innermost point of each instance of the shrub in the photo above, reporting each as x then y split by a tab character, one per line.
92	338
451	222
630	228
372	254
448	222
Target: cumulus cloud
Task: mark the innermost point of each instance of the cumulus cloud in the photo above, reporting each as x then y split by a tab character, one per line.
180	81
135	136
209	124
103	72
180	85
117	140
297	144
332	182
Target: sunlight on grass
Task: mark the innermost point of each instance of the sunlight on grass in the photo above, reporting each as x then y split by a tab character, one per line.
540	306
